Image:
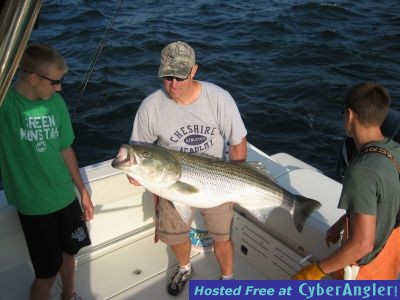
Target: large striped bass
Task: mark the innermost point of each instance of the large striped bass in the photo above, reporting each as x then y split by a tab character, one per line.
191	180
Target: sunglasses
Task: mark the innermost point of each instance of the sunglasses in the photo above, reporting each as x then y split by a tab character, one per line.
170	78
52	81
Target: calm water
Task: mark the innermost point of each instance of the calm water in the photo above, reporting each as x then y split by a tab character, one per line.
286	63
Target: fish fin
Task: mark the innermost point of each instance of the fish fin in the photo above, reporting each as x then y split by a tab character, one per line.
184	211
260	168
184	188
303	208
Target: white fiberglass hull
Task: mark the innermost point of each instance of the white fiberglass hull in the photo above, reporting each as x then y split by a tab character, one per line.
124	263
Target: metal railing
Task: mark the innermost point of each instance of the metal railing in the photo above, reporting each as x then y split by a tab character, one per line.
17	19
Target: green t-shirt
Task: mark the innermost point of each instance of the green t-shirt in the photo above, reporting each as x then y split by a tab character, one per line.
35	177
371	186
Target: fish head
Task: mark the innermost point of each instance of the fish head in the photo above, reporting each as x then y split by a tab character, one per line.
148	164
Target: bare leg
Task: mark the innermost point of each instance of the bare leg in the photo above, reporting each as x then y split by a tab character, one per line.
40	288
67	272
223	251
182	275
182	252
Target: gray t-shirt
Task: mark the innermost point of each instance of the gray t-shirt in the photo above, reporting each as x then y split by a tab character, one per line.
371	186
203	126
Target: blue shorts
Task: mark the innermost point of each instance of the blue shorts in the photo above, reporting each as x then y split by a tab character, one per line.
49	236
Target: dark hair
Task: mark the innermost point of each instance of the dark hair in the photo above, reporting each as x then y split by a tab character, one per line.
370	101
38	57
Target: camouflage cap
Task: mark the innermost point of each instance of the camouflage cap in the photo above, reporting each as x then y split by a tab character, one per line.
177	59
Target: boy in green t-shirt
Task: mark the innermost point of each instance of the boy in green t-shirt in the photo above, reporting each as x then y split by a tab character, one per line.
39	169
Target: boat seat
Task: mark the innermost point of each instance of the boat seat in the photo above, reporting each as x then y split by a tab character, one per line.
133	210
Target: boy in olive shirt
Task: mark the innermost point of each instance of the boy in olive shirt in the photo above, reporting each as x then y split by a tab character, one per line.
39	169
370	196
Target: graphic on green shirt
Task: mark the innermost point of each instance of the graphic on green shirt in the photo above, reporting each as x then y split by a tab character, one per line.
35	177
38	129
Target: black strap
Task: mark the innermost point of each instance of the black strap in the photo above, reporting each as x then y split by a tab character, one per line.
377	149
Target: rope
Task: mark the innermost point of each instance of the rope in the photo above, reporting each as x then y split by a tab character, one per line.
89	72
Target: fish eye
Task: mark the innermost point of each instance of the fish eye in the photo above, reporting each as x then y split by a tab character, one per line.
146	154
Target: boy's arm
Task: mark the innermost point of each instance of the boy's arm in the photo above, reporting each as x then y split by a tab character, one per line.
72	164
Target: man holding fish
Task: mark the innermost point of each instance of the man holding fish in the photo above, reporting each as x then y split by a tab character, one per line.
191	116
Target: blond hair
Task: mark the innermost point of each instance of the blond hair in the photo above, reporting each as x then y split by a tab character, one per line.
38	57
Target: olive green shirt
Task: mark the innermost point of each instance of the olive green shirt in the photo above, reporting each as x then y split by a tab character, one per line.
371	186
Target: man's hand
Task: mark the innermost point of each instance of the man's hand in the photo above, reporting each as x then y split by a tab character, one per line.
312	272
333	234
132	181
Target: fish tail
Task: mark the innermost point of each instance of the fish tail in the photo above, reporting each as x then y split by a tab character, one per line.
303	207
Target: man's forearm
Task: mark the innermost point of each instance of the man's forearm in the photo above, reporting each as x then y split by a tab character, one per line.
238	152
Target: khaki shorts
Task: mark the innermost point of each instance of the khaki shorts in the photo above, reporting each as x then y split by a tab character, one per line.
171	229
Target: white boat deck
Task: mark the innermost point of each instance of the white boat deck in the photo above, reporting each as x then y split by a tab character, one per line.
140	269
124	263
